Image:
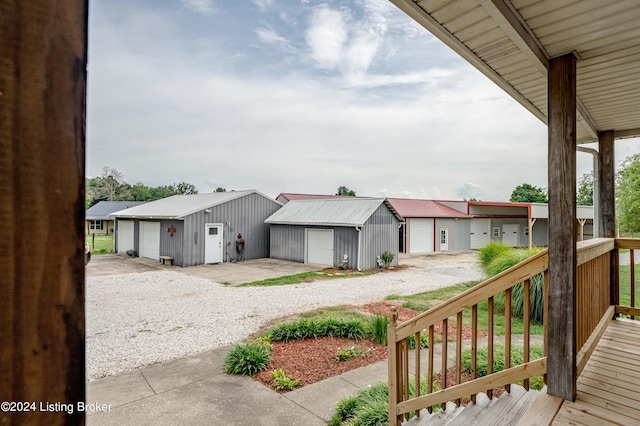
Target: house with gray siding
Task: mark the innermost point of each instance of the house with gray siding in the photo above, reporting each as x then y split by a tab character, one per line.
97	218
324	231
198	229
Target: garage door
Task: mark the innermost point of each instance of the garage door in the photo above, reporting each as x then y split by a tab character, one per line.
479	233
421	235
150	240
510	235
320	246
125	235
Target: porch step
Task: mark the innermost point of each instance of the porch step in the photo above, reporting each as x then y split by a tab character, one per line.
503	411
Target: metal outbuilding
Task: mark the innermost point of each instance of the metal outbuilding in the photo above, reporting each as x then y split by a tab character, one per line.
324	231
198	229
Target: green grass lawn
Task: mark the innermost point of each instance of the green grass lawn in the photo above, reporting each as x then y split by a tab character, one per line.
625	288
427	300
100	244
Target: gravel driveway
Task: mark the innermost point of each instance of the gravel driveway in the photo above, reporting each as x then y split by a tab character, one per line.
138	319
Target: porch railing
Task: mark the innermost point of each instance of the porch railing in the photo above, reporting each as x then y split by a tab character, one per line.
593	295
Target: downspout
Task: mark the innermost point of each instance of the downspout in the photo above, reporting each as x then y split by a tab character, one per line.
359	229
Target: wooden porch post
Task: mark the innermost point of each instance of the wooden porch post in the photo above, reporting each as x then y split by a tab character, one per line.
561	366
42	134
607	201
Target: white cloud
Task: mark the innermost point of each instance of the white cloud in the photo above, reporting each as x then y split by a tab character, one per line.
263	5
204	7
326	36
472	190
269	36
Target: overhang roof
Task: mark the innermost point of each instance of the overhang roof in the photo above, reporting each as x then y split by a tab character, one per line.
348	212
511	43
407	208
102	209
180	206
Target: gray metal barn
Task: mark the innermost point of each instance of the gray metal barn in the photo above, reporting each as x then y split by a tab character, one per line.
323	231
198	229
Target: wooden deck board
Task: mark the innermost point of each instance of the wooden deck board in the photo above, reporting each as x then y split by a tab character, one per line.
608	390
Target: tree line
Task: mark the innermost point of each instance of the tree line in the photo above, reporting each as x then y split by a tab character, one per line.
111	186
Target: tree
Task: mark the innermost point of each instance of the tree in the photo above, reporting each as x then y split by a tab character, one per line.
343	190
628	195
584	195
220	189
527	193
108	187
184	188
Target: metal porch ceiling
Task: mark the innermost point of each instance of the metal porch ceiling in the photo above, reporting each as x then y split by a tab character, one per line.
511	42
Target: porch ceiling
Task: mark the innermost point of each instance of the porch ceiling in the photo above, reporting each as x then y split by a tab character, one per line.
511	42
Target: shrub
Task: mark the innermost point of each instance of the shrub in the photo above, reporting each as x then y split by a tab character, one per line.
282	381
304	329
424	341
387	258
247	358
505	261
378	329
490	251
351	352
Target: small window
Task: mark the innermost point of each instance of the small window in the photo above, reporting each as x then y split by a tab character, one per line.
496	232
213	231
443	236
526	231
96	224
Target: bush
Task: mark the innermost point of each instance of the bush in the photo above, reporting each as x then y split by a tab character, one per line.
506	260
282	381
304	329
490	251
387	258
378	329
247	358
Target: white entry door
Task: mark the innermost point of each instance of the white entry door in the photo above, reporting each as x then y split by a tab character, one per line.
510	235
444	239
213	243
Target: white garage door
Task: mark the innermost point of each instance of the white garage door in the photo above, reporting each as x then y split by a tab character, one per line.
125	235
479	233
421	235
150	240
320	246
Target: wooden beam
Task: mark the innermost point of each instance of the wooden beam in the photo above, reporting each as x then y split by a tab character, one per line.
42	125
561	373
607	204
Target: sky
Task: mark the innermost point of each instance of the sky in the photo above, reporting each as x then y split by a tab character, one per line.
301	96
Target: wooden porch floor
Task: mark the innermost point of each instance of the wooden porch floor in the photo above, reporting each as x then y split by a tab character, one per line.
609	386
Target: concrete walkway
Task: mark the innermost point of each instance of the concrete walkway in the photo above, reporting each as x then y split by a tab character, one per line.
195	390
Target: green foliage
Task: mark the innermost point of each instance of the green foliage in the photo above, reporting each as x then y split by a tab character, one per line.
220	189
100	243
351	352
387	258
282	381
584	194
506	260
517	357
528	193
490	251
343	190
368	408
247	358
628	195
345	409
378	329
424	341
305	328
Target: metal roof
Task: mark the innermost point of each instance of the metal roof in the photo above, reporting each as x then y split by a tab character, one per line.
179	206
511	42
102	209
349	212
407	207
291	196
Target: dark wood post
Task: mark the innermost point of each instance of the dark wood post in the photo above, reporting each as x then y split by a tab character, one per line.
607	200
42	134
561	366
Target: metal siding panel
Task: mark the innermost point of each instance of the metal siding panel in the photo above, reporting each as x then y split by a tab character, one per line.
380	234
287	242
172	246
345	242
